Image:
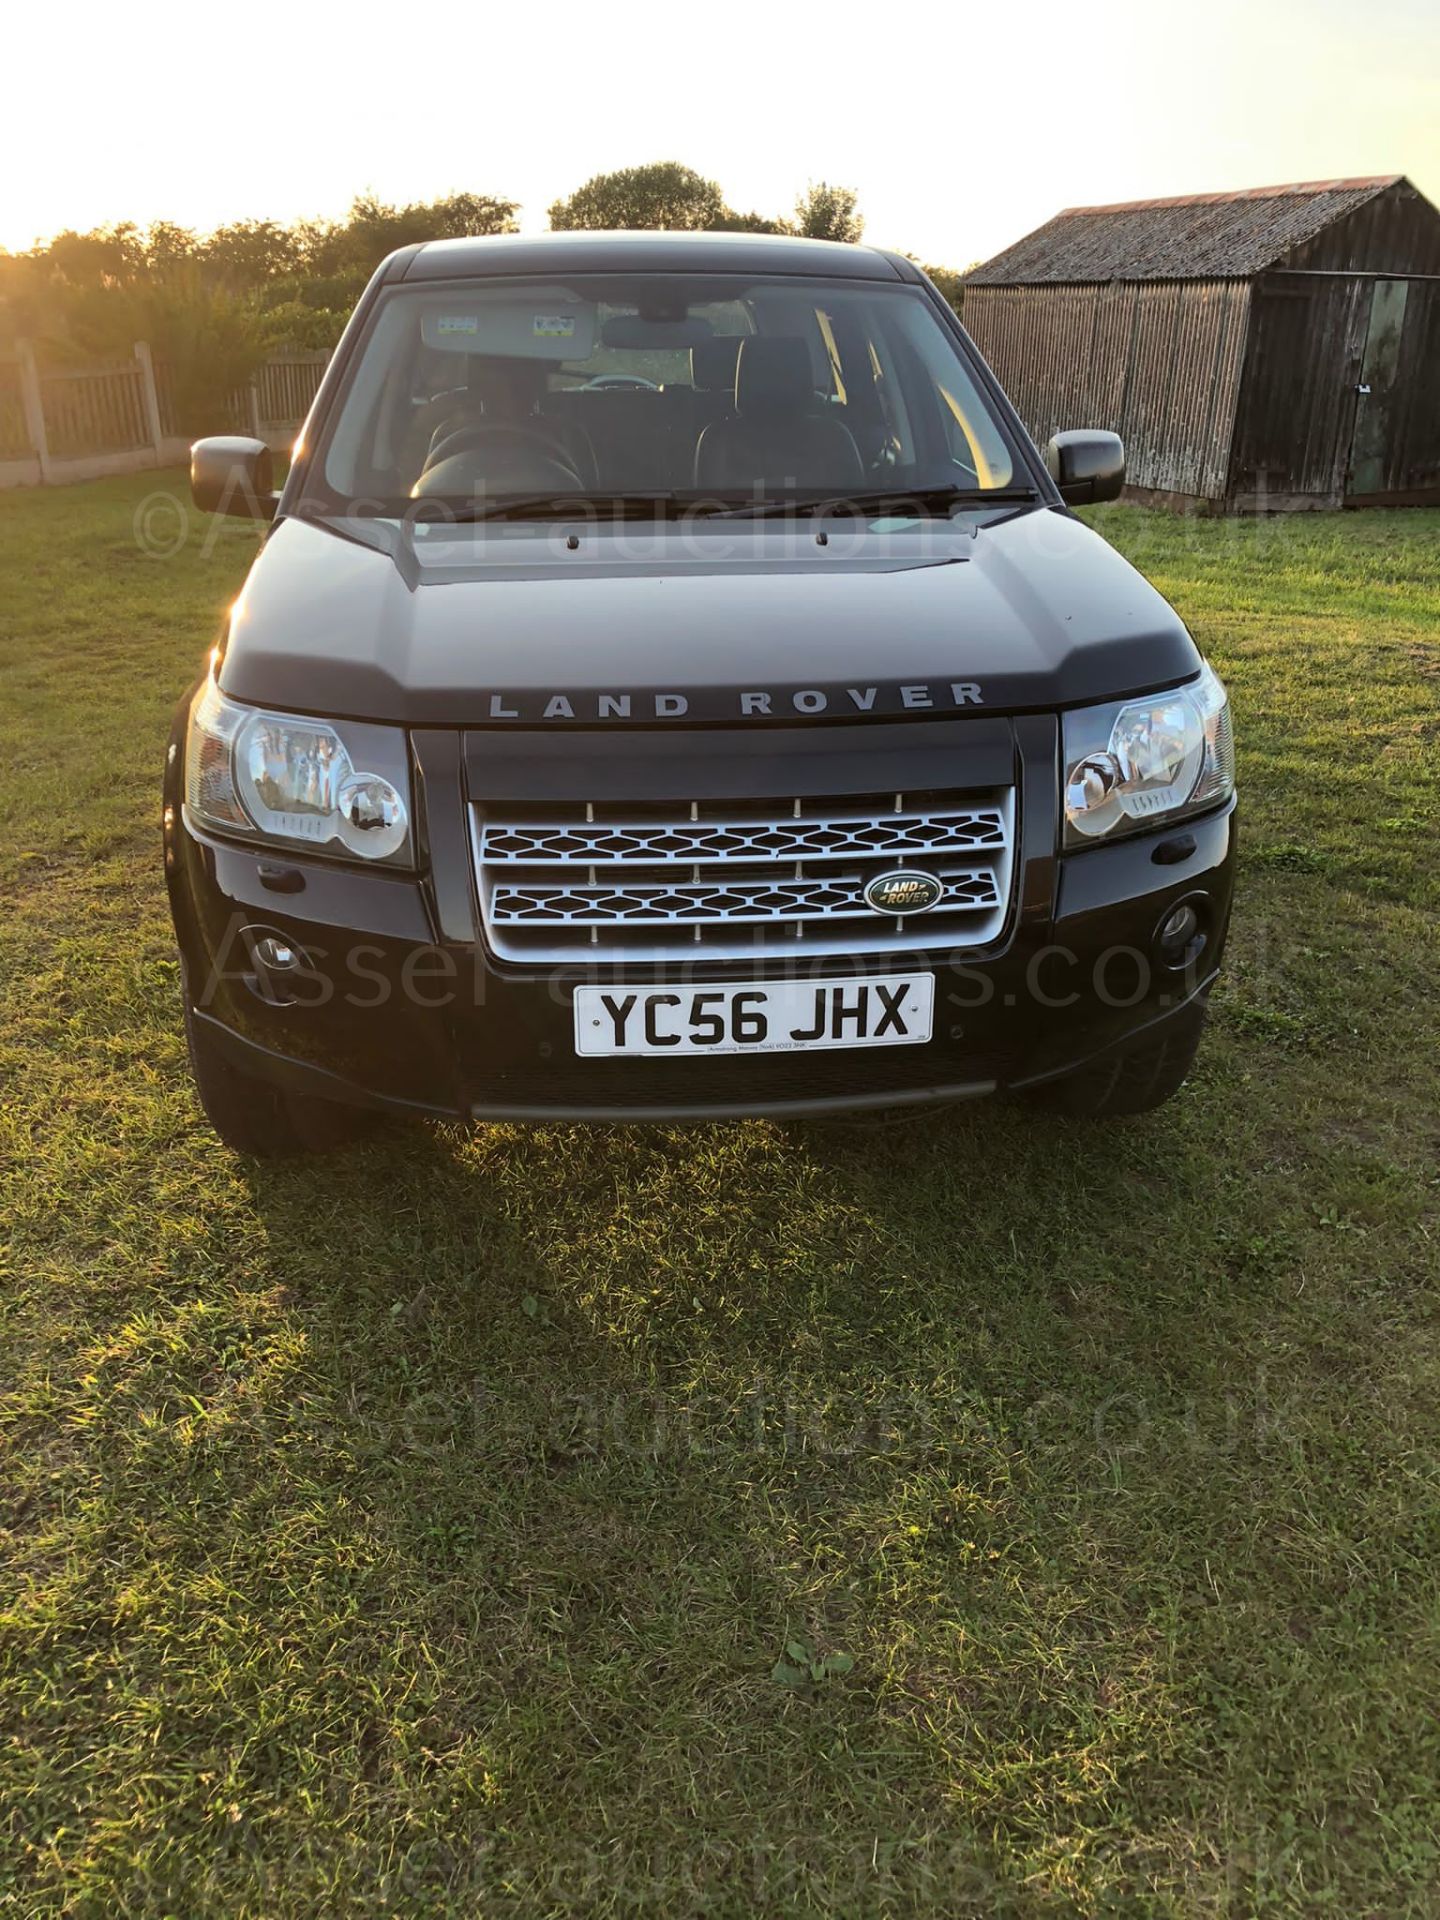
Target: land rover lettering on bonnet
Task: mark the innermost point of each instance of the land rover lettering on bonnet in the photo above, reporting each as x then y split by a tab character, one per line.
673	686
752	703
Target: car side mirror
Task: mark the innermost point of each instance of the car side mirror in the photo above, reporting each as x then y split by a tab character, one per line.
231	473
1087	465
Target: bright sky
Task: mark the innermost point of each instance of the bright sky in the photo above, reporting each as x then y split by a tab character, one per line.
962	128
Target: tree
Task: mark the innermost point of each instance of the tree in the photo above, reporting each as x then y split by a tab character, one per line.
374	229
167	245
251	252
824	212
211	306
107	253
664	195
951	283
352	248
732	222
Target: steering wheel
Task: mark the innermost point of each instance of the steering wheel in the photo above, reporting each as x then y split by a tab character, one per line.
619	383
483	434
520	461
537	473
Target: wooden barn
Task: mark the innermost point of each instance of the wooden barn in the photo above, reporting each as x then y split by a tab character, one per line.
1272	349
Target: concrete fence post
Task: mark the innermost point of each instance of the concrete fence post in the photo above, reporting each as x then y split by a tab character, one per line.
150	399
33	404
252	406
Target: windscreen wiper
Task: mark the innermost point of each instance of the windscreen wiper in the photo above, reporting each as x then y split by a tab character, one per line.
932	500
552	506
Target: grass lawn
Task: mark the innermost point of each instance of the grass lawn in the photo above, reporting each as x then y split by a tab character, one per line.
423	1532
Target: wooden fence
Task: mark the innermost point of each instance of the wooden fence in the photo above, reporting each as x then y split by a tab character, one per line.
286	384
94	410
14	440
61	423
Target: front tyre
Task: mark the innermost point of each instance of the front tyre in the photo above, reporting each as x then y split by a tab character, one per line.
253	1117
1137	1081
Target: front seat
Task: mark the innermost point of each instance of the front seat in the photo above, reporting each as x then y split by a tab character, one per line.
781	436
712	369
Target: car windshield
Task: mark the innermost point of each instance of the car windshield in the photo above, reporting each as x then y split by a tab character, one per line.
718	388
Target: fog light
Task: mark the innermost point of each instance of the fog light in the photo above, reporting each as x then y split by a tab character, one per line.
280	966
277	956
1180	936
1179	928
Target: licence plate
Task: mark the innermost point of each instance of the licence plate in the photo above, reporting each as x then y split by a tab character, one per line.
883	1010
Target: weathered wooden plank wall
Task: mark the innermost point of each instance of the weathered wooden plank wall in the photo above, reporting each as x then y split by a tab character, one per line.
1297	403
1305	427
1158	363
1415	462
1396	232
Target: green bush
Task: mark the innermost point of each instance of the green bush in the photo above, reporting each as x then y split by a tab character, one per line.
212	306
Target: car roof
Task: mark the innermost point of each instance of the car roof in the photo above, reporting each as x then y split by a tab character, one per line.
646	252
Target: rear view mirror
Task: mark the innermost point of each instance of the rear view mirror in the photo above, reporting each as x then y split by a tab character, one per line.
665	333
1087	465
233	474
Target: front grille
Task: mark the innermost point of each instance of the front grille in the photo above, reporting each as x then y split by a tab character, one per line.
733	879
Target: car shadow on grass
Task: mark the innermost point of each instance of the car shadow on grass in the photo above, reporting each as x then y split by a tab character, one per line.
643	1307
998	1247
736	1235
591	1425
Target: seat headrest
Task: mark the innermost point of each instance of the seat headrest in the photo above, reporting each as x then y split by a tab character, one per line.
712	363
773	375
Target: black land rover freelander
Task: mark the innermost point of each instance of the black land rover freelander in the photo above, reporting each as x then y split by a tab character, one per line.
674	686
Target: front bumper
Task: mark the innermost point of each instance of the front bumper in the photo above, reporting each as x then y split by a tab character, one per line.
401	1005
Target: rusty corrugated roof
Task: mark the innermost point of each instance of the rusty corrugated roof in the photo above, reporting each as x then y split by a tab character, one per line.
1201	236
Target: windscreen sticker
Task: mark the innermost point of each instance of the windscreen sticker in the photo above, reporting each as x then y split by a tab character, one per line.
456	323
554	326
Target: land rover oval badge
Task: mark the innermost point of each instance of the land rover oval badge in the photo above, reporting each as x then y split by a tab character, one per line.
903	892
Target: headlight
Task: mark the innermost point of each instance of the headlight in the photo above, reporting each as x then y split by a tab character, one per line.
1139	763
303	782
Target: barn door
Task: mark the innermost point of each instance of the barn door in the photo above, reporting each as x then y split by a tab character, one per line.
1372	442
